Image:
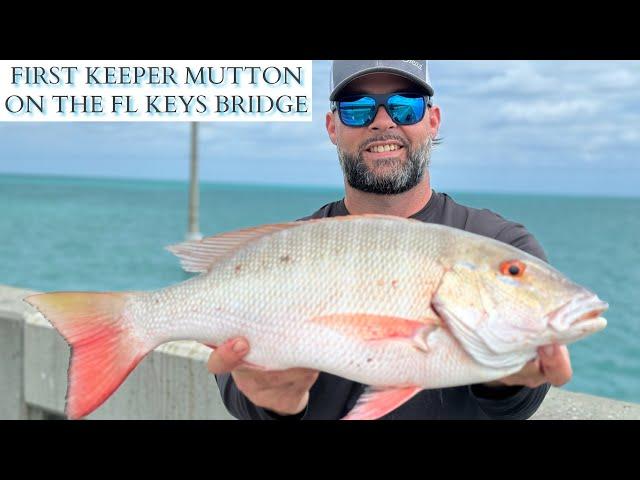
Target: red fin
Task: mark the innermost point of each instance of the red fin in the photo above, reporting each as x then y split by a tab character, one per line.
376	403
103	349
379	327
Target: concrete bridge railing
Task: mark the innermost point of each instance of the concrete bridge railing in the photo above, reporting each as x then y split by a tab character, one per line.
170	383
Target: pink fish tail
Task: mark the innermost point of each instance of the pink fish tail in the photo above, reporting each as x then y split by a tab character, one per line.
104	348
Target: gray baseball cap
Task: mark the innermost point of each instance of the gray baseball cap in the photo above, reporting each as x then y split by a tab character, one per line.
345	71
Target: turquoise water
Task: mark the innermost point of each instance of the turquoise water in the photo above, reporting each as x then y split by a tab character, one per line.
82	234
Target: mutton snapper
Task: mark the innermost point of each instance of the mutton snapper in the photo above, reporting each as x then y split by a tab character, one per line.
389	302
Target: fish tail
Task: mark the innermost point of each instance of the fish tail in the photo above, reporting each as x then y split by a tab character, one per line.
104	345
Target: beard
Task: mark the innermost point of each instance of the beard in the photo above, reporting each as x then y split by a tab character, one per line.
399	176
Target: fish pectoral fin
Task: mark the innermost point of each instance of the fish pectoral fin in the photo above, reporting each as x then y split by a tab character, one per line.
201	255
380	327
377	402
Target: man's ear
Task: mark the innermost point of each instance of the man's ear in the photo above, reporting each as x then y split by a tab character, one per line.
434	121
331	127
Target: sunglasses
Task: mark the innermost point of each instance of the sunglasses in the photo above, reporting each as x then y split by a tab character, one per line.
360	110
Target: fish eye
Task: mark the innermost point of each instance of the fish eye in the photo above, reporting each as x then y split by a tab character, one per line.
513	268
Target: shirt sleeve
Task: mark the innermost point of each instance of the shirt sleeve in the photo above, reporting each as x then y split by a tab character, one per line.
509	403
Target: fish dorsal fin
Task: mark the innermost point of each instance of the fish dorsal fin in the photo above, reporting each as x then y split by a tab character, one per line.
201	255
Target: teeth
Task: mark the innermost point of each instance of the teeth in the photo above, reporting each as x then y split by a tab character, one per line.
384	148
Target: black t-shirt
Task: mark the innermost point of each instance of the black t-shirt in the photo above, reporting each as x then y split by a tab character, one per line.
332	397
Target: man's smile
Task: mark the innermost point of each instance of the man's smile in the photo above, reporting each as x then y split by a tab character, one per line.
384	149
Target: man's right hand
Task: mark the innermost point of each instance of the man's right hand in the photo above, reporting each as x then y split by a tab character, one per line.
285	392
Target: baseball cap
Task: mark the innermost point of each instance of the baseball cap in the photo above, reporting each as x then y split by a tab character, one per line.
345	71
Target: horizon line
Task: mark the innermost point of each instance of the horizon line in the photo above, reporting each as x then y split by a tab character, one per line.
292	186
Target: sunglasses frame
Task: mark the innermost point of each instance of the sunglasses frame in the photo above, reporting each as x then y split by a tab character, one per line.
381	100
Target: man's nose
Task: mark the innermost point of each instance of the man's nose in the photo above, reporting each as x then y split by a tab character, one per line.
382	120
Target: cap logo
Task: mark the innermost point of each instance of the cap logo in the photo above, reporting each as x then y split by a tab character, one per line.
414	63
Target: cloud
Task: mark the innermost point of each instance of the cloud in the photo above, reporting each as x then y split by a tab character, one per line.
544	111
521	77
617	78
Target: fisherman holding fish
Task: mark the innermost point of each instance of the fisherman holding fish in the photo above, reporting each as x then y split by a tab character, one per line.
395	302
385	155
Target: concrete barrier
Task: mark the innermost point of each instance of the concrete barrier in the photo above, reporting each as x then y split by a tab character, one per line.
170	383
12	309
561	404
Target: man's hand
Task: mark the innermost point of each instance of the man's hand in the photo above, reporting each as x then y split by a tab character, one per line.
285	392
553	366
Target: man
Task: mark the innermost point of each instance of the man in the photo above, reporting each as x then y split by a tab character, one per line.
384	125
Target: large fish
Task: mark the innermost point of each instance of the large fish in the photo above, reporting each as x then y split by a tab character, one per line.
393	303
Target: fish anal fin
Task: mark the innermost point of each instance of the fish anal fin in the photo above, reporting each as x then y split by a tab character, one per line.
377	402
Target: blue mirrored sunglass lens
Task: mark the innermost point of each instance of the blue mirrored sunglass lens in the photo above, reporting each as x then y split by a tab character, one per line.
406	110
358	111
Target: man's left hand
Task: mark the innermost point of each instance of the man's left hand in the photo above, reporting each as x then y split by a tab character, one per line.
552	365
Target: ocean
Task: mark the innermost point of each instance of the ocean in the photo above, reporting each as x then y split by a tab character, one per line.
102	234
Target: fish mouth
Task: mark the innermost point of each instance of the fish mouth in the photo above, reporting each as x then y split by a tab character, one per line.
583	313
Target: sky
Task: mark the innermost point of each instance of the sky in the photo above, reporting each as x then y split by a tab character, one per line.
562	127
